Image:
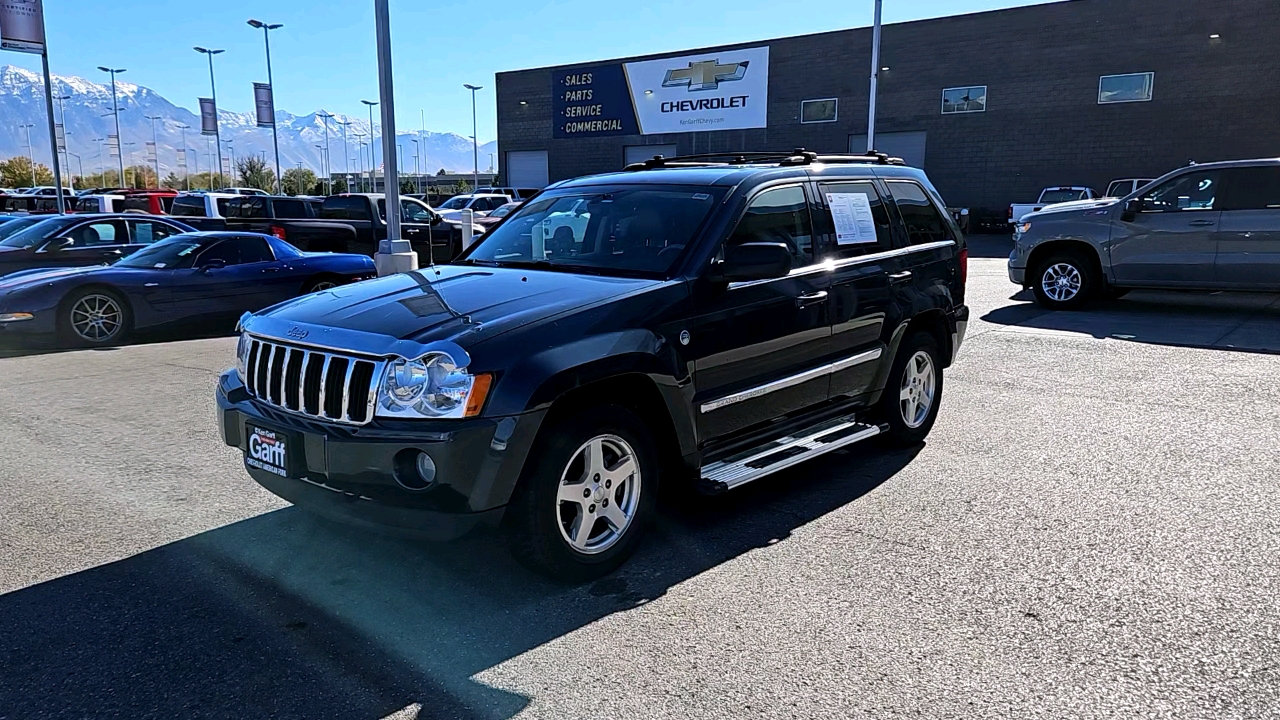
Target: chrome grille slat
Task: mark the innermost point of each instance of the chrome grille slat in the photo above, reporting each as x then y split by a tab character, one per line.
278	375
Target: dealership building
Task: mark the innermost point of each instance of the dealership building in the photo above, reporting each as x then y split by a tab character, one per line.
994	106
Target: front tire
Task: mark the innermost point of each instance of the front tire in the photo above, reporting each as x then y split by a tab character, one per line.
1064	281
913	394
589	493
94	318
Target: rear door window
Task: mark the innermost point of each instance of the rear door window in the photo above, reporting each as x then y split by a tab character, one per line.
254	249
854	218
1256	188
921	218
345	208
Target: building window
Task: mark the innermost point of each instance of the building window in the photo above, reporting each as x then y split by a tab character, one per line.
964	100
818	111
1134	87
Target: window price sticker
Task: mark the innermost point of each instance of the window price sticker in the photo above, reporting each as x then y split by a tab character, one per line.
852	215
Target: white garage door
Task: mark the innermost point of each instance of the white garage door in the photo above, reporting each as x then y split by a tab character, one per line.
640	153
527	169
907	145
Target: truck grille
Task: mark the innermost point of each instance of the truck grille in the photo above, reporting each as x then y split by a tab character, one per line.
318	384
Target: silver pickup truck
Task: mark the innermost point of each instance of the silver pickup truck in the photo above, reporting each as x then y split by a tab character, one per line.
1204	227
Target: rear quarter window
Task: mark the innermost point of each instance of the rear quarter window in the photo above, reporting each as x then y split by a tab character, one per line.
188	207
921	218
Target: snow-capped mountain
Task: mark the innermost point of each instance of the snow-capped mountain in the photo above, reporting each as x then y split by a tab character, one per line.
89	117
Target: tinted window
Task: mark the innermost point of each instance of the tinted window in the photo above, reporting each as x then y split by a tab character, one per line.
289	208
778	216
228	251
345	208
1252	189
1193	191
253	207
98	233
145	233
174	252
188	207
222	206
1060	196
858	243
621	230
254	249
921	218
137	203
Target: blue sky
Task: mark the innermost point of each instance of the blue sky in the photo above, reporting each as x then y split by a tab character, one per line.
324	56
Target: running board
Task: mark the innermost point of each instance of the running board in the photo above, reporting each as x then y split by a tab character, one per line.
775	455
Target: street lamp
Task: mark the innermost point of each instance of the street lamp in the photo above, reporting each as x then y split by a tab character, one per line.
373	178
325	117
213	90
131	165
155	143
186	171
346	159
115	108
232	148
80	162
275	138
31	155
62	110
417	150
475	144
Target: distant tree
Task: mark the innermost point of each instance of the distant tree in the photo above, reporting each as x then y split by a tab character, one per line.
254	173
442	173
16	172
173	182
408	186
339	186
461	187
298	181
140	176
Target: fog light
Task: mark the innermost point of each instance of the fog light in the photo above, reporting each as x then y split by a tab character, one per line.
414	469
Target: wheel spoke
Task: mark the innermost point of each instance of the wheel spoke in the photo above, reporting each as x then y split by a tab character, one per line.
623	469
905	395
593	456
615	517
582	527
572	493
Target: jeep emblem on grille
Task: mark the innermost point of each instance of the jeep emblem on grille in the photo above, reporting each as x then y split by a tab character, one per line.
297	333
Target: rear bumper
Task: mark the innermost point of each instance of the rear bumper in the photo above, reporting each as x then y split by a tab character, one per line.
349	473
961	319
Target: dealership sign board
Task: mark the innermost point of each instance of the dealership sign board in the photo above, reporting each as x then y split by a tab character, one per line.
726	90
22	26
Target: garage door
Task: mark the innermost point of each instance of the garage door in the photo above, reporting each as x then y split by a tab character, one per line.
640	153
907	145
527	169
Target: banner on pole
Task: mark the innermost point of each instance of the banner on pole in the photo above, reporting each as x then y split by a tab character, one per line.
182	159
22	26
151	152
265	107
208	117
113	145
61	135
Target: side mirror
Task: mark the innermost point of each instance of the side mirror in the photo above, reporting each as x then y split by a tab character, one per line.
436	220
214	264
60	243
1131	209
752	261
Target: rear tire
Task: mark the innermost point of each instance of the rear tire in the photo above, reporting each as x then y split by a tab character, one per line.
94	317
580	473
1064	281
913	393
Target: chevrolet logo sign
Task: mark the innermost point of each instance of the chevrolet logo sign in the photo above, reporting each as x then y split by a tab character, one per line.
705	75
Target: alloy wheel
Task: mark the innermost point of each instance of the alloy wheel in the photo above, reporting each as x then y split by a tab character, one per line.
919	385
96	318
1061	282
599	494
324	285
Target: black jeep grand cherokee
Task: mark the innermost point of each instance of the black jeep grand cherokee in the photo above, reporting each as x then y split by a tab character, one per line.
705	320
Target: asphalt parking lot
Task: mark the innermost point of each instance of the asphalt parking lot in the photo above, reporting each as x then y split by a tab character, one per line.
1090	531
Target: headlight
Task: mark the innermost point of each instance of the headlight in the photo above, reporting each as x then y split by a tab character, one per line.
242	357
431	387
1024	227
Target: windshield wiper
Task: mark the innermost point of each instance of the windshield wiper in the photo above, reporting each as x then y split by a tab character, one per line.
476	261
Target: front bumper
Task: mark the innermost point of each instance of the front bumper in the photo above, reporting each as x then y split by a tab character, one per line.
348	473
42	323
1018	276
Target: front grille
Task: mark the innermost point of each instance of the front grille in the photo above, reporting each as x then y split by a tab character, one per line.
315	383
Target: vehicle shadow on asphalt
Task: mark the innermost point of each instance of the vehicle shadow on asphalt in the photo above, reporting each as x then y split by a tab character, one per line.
14	346
1242	322
285	615
984	245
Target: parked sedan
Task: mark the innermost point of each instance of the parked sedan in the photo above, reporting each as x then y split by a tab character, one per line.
211	278
78	240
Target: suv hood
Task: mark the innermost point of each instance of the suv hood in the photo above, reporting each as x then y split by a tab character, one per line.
398	314
1072	206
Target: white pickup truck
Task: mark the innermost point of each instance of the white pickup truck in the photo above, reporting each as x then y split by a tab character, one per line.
1051	196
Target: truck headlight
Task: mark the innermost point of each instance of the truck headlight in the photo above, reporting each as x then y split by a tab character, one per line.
431	387
1023	228
242	357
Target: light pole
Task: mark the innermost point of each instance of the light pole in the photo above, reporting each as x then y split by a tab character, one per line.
115	108
31	155
475	144
62	110
208	150
324	162
875	80
80	162
102	162
417	150
373	178
346	159
325	117
155	143
232	148
186	174
275	138
213	90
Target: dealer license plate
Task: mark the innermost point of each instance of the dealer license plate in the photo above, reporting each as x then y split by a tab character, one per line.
268	450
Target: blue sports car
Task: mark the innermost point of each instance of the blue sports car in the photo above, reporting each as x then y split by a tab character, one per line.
210	278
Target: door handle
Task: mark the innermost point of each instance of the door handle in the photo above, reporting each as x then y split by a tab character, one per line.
111	252
898	277
811	298
1201	223
270	269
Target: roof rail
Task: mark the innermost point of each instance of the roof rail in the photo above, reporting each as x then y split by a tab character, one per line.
798	156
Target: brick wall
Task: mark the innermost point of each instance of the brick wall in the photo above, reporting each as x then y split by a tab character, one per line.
1213	99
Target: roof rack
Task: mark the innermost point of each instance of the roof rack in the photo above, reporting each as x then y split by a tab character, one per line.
798	156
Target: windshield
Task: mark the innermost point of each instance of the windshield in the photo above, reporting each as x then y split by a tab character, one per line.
624	231
17	225
36	233
1060	196
455	203
172	252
